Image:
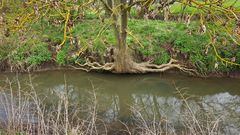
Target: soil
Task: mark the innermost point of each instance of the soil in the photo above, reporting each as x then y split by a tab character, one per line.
52	66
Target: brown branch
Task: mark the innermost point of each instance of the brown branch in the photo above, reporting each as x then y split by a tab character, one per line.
107	6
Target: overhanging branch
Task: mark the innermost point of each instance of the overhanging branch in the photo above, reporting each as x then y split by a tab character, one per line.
107	6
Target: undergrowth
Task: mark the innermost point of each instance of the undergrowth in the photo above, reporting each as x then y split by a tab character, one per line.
154	40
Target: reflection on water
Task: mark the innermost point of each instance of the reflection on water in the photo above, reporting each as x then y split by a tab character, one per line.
154	95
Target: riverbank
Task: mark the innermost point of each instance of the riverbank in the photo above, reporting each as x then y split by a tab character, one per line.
55	67
149	40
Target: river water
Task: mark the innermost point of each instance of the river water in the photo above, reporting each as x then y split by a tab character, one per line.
154	95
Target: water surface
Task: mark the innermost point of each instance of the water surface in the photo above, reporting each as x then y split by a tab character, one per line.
152	94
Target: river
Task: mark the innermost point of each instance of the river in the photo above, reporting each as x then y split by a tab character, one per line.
154	95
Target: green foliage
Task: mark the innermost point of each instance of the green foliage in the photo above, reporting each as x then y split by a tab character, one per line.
133	12
99	46
79	60
155	34
47	30
31	54
90	15
39	54
177	7
162	58
7	45
96	37
20	54
150	36
4	51
52	33
62	55
238	57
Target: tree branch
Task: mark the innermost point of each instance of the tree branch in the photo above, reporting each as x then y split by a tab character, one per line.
107	6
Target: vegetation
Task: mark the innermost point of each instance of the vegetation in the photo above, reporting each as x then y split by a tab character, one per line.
190	36
197	37
159	40
152	39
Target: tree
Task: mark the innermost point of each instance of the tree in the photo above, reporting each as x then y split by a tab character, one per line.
123	62
118	11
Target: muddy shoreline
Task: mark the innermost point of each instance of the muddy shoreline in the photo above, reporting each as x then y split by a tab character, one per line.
51	66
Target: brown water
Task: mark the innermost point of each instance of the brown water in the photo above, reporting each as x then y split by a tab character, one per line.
154	94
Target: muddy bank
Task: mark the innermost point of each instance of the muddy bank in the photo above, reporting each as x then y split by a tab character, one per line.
52	66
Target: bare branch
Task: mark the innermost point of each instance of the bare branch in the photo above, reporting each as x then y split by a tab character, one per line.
107	6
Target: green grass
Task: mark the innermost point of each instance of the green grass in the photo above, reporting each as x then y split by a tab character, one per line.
176	8
30	54
148	37
94	34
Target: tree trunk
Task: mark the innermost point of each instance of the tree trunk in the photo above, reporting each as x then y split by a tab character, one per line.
123	61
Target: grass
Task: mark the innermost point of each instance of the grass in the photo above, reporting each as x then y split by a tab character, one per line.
177	7
149	39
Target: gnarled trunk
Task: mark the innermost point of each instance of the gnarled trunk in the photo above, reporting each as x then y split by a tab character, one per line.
123	62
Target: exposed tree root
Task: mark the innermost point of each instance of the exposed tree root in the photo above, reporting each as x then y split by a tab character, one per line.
146	67
88	66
